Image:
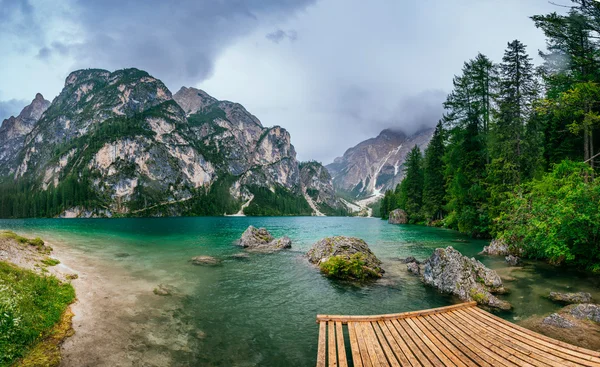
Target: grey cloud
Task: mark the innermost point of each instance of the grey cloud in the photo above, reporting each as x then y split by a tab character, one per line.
12	107
16	17
175	42
55	48
418	111
279	35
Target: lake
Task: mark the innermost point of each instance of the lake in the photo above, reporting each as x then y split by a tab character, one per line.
260	311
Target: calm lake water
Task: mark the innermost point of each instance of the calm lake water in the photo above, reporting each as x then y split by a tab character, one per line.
261	311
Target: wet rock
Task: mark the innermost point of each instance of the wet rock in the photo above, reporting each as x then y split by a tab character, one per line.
451	272
164	290
557	321
260	239
414	268
512	260
570	298
496	248
205	260
240	256
345	250
410	259
121	255
398	216
586	311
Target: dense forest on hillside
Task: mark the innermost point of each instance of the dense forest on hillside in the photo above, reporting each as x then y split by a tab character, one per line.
514	155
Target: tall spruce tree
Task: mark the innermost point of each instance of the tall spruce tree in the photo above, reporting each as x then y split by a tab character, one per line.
434	187
411	187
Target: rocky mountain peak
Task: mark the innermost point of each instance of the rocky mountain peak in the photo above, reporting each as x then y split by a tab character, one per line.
193	100
376	164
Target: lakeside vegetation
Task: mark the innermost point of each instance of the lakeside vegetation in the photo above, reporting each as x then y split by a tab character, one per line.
513	157
30	307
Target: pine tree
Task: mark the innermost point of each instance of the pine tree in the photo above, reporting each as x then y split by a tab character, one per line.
434	188
411	187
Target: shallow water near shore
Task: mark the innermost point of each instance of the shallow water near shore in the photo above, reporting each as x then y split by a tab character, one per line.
259	310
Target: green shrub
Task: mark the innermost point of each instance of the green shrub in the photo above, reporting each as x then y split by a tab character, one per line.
30	305
50	261
352	268
557	217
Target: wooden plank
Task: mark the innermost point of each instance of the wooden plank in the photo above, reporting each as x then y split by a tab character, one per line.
422	358
347	318
458	341
505	344
332	355
450	318
391	357
413	362
400	356
447	358
474	343
457	357
429	345
322	347
379	349
581	354
339	332
430	356
362	345
552	356
371	345
356	359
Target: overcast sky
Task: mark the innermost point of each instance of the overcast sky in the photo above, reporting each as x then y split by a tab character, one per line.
332	72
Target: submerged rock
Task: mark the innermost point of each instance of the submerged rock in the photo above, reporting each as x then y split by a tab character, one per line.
512	260
398	216
557	321
339	256
586	311
414	268
205	260
164	290
496	248
240	256
260	239
569	298
409	260
451	272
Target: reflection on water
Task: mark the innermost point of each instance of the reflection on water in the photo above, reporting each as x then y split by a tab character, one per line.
261	310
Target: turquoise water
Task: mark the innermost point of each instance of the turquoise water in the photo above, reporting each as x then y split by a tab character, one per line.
260	311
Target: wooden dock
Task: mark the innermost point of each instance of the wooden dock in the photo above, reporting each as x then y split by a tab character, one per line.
459	335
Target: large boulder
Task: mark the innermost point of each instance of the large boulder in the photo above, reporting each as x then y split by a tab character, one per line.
557	320
398	216
451	272
570	298
345	258
260	239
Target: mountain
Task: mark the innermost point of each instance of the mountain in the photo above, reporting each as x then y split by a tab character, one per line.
14	129
120	144
318	190
376	164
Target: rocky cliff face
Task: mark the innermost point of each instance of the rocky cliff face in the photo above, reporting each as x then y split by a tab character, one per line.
14	129
317	186
119	143
375	165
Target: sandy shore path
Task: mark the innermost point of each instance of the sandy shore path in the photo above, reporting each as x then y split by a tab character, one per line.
119	321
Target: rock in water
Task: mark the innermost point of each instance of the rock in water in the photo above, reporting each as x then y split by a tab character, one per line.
414	268
410	259
398	216
558	321
260	239
496	248
205	260
343	252
586	312
451	272
512	260
568	298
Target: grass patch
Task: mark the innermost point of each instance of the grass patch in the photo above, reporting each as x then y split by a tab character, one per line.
352	268
35	242
50	261
30	307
